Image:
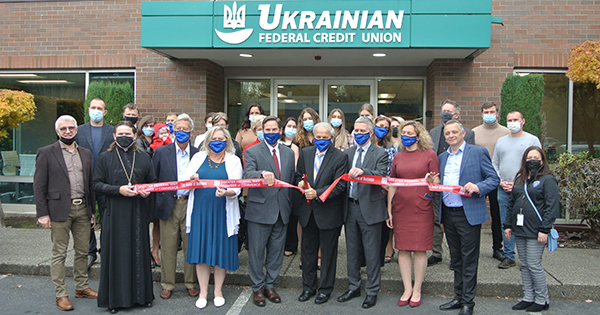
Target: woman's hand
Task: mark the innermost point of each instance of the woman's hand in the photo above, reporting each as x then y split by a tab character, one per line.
195	176
433	178
220	192
542	238
389	223
508	233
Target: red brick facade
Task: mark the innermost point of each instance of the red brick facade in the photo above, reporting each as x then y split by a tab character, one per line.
106	34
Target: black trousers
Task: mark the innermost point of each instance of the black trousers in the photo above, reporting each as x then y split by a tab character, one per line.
93	249
312	238
496	222
463	242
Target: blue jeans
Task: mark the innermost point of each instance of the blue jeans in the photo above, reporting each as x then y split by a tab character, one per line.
509	246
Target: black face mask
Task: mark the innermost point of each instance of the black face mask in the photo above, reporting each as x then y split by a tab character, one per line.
395	132
133	120
124	142
68	141
533	166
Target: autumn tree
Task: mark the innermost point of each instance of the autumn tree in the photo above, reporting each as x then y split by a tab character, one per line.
584	70
16	107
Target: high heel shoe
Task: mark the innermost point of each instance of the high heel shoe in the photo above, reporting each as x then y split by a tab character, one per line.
154	263
402	302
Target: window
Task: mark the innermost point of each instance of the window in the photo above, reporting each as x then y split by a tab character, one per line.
241	94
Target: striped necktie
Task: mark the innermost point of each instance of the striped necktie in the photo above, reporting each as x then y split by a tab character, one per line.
318	161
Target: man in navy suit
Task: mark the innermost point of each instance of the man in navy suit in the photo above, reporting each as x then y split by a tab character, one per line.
170	163
95	136
469	166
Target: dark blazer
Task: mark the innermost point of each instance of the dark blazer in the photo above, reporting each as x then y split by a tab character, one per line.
51	185
371	200
476	167
84	138
265	205
328	214
436	133
165	166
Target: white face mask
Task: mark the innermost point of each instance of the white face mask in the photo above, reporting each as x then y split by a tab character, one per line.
514	127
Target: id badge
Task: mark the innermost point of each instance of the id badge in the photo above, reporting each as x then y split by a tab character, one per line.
520	219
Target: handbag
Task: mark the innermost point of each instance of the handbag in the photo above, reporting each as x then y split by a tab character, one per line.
553	235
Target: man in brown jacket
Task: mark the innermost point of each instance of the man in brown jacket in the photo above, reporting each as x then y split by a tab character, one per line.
64	199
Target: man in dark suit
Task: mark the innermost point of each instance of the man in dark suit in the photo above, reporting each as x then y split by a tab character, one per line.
450	110
365	214
64	200
321	221
95	136
268	209
170	163
471	167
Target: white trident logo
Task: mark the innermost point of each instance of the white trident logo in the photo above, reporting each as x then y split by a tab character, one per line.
234	18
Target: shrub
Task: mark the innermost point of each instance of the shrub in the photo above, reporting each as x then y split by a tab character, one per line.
524	93
115	95
578	178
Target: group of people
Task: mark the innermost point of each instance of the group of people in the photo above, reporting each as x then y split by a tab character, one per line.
88	165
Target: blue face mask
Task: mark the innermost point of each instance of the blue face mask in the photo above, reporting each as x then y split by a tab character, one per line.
290	132
489	119
170	127
336	122
408	141
272	137
361	138
380	132
322	145
95	115
308	125
260	135
182	136
250	118
217	146
148	131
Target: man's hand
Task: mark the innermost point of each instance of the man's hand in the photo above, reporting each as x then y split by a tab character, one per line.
508	234
301	184
127	191
471	188
144	193
355	172
269	178
195	176
45	222
93	221
309	192
506	186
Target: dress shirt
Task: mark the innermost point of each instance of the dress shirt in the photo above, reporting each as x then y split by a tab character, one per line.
317	154
276	147
365	148
75	170
452	176
183	159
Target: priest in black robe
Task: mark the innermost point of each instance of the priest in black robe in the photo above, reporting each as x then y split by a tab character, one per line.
125	272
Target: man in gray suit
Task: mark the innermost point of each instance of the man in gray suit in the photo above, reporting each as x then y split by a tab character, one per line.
268	210
365	214
450	110
95	136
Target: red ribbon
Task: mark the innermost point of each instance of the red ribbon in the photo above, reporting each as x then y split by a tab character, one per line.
211	183
396	182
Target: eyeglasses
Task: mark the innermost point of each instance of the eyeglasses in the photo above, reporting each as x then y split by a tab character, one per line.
70	128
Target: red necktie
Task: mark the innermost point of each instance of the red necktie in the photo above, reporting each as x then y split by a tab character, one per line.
276	160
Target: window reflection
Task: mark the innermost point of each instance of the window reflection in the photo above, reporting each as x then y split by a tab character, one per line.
402	98
241	94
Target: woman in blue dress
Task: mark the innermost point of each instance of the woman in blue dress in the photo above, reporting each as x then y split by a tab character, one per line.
213	214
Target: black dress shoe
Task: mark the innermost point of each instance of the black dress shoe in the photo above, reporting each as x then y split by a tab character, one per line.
348	295
537	307
370	301
432	260
466	310
305	296
452	305
499	254
522	305
321	298
113	310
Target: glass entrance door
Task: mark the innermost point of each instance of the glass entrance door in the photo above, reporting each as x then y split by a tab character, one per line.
295	95
349	96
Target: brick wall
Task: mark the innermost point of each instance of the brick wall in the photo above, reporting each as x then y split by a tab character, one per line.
106	34
536	34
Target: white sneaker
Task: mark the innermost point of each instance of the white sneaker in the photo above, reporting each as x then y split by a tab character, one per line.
219	301
201	303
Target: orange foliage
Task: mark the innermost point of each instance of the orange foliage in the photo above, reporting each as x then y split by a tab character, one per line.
584	63
15	107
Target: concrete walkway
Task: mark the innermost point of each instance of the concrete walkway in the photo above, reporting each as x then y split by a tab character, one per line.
571	273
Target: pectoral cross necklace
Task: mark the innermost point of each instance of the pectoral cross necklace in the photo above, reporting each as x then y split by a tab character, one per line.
123	165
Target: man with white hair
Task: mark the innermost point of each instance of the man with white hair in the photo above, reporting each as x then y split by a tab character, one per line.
65	203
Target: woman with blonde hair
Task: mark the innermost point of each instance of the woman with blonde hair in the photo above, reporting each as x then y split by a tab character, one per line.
411	210
366	110
213	214
342	139
306	122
